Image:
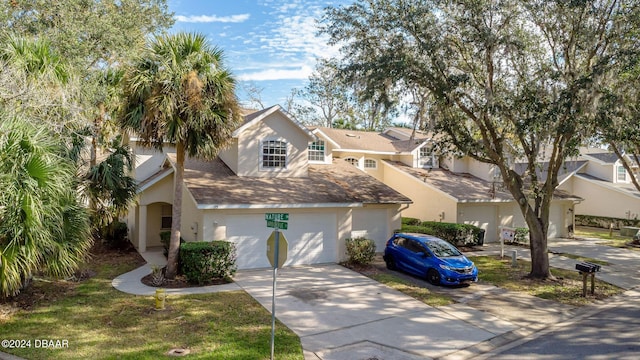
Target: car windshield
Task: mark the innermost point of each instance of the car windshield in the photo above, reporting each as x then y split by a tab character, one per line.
441	248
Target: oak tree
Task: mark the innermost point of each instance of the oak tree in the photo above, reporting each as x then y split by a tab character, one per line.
513	80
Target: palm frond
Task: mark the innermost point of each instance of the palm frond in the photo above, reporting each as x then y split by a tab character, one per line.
37	196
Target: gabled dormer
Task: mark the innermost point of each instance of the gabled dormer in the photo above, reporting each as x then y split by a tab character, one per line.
607	166
365	149
269	144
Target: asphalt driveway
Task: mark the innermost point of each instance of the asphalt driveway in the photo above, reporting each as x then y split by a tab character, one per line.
341	314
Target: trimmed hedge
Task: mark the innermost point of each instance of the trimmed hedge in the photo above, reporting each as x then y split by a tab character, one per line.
360	250
202	262
456	234
410	221
604	222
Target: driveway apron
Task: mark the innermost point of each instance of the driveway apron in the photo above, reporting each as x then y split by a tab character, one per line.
341	314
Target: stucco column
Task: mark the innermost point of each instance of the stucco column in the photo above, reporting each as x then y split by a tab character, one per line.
142	228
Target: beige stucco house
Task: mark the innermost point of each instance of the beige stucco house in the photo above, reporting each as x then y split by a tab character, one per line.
442	188
265	170
604	184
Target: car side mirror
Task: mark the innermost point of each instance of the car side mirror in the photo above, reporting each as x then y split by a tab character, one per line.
423	255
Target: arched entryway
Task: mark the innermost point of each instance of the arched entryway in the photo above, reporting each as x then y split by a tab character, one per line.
153	219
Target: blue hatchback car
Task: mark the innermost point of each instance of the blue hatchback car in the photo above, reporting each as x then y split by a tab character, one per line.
429	257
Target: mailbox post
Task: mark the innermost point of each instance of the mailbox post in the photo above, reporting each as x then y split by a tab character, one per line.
587	269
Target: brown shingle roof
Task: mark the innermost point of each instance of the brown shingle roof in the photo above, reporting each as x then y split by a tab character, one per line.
212	183
466	187
369	140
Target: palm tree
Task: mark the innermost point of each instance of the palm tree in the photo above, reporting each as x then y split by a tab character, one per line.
178	91
108	187
43	227
35	57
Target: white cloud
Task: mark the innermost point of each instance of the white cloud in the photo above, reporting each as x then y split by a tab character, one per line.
288	42
301	73
296	31
213	18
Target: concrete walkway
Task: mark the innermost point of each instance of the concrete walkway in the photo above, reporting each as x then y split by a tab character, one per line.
130	282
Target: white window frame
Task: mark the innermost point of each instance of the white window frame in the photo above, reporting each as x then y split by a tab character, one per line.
263	154
621	174
422	158
374	161
315	152
351	161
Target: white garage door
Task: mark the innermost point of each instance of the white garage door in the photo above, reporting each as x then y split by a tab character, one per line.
311	238
484	217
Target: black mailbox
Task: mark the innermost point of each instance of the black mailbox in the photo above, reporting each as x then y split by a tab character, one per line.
587	267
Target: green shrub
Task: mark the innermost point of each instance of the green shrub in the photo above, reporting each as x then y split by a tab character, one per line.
416	229
456	234
115	235
165	239
360	250
202	262
410	221
521	236
605	222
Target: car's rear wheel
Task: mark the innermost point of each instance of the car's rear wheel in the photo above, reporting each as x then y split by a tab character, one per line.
391	263
433	276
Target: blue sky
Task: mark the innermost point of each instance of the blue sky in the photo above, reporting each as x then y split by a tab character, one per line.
271	44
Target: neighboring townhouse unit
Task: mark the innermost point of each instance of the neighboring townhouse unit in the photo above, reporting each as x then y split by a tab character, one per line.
265	170
604	184
449	189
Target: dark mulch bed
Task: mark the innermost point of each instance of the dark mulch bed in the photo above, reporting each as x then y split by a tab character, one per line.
179	282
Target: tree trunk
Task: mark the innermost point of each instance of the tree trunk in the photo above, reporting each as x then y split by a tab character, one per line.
538	227
93	159
176	216
539	250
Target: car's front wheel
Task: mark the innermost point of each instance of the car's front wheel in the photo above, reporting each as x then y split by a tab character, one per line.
433	276
391	263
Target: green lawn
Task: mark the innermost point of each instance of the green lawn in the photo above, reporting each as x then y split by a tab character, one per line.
615	239
567	289
100	322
